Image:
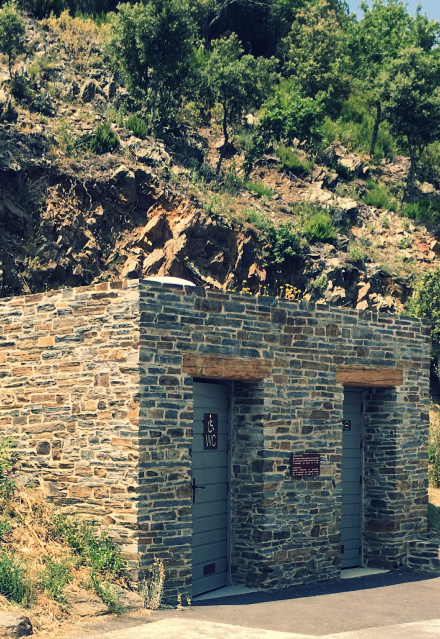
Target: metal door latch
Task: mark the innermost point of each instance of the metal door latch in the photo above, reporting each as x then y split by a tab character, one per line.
194	486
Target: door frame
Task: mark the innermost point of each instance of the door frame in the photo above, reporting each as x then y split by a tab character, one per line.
361	391
229	387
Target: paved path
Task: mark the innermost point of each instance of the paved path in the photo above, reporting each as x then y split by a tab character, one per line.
398	605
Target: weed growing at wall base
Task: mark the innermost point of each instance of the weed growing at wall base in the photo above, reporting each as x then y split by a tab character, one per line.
151	588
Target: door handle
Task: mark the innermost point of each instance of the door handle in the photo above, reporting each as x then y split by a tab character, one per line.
194	486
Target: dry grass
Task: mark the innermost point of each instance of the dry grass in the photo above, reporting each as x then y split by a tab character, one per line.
434	496
33	540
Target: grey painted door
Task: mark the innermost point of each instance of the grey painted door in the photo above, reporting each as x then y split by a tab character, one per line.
210	469
351	523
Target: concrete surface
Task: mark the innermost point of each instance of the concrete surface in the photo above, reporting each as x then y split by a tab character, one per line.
392	605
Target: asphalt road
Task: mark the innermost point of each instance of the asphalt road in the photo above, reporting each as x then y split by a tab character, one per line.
395	605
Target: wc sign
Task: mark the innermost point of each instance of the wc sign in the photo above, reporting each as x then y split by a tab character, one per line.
210	431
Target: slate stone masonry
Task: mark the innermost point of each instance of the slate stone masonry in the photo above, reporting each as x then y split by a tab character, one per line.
95	386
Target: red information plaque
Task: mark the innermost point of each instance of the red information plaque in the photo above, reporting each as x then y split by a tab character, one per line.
305	465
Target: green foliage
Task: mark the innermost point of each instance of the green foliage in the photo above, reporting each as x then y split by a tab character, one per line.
315	56
257	187
319	285
107	594
137	126
319	227
377	195
288	114
425	303
405	242
213	206
91	549
354	128
290	161
425	210
152	47
105	140
12	30
428	169
283	243
355	253
8	457
235	81
5	527
13	583
434	515
410	94
21	87
56	575
434	450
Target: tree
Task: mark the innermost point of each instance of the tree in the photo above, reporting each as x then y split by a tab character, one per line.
259	24
384	31
237	82
315	56
288	114
410	94
152	46
425	303
12	30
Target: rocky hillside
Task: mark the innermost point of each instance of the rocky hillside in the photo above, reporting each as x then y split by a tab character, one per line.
70	217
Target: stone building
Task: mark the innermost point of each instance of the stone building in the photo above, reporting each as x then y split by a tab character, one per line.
245	440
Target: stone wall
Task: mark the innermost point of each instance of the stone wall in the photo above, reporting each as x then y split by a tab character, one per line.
283	531
69	395
96	384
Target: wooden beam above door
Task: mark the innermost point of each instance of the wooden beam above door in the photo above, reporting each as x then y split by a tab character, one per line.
224	367
369	376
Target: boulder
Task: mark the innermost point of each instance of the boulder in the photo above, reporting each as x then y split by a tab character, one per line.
109	91
124	183
8	112
88	90
14	624
83	603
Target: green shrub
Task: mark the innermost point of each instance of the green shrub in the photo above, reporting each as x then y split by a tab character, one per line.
107	594
319	227
290	161
433	517
5	527
56	575
13	583
343	172
428	169
378	196
137	126
283	242
257	187
105	140
21	87
288	114
8	457
354	128
425	210
12	31
405	242
425	303
355	253
319	284
96	551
